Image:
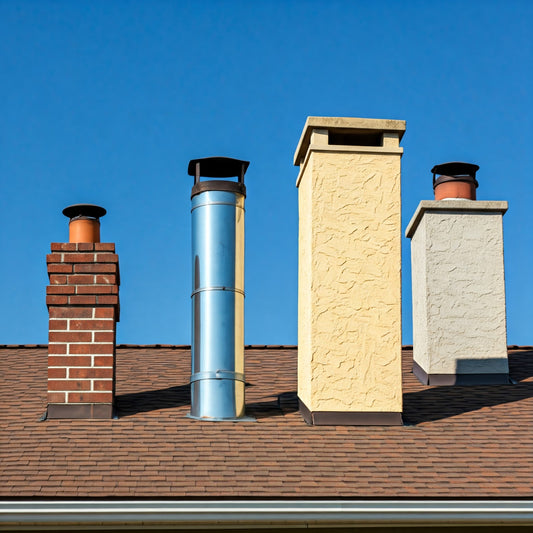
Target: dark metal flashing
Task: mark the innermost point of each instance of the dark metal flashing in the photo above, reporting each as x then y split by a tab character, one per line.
459	379
347	418
212	185
84	410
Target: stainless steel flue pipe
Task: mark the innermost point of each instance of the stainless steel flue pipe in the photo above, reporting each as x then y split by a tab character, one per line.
217	379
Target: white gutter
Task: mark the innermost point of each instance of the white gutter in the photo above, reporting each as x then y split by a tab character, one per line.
58	515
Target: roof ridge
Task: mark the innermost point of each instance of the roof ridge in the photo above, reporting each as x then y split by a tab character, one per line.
247	346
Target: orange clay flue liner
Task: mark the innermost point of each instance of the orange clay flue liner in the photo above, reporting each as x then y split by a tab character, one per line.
84	230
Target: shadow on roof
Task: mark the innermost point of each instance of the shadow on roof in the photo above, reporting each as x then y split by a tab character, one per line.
277	405
153	400
437	403
517	369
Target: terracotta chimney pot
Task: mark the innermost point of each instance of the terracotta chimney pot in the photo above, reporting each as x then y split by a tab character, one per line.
456	180
84	225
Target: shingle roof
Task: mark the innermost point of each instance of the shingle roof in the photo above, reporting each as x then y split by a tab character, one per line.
457	442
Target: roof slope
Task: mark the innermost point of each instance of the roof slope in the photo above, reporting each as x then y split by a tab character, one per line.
458	442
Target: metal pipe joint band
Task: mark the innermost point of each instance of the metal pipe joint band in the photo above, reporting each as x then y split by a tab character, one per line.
218	374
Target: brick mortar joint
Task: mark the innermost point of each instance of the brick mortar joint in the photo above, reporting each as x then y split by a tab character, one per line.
94	306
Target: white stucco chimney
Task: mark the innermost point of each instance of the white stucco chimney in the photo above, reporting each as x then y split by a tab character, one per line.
459	321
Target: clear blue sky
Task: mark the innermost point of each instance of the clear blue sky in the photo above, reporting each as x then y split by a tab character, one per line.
105	102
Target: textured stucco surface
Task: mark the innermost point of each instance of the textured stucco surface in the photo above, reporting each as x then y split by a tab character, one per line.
459	323
305	305
419	296
349	282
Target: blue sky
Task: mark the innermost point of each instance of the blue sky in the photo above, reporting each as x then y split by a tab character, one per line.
105	102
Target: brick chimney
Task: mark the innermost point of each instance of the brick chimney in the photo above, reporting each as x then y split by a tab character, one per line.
83	306
349	286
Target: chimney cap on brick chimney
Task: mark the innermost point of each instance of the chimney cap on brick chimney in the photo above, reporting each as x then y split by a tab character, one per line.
84	210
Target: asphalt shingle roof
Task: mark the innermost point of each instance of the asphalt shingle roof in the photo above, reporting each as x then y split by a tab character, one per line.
457	442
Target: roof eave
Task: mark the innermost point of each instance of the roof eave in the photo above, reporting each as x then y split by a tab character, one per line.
276	513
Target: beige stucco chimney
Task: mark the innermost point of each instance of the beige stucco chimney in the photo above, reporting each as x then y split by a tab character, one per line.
349	296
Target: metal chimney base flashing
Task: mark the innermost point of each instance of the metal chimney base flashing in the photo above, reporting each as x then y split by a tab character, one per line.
459	379
209	419
349	418
80	410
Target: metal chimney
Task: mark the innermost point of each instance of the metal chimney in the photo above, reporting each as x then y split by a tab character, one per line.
217	379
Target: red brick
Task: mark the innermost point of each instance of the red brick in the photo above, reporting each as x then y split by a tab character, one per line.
78	258
90	349
80	279
56	279
85	247
104	336
57	373
90	397
102	385
106	258
96	289
69	384
68	360
57	349
70	336
56	397
112	299
90	373
70	312
60	289
102	268
104	312
110	279
56	300
82	300
92	325
104	360
104	246
59	268
57	324
63	247
53	258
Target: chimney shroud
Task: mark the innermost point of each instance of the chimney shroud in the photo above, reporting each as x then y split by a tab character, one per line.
349	285
83	306
217	348
458	289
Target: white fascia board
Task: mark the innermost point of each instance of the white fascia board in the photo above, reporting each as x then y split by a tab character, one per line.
219	514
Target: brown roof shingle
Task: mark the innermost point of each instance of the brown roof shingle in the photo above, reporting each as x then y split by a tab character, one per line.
457	442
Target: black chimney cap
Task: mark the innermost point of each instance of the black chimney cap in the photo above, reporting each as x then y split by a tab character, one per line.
84	210
455	168
218	167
